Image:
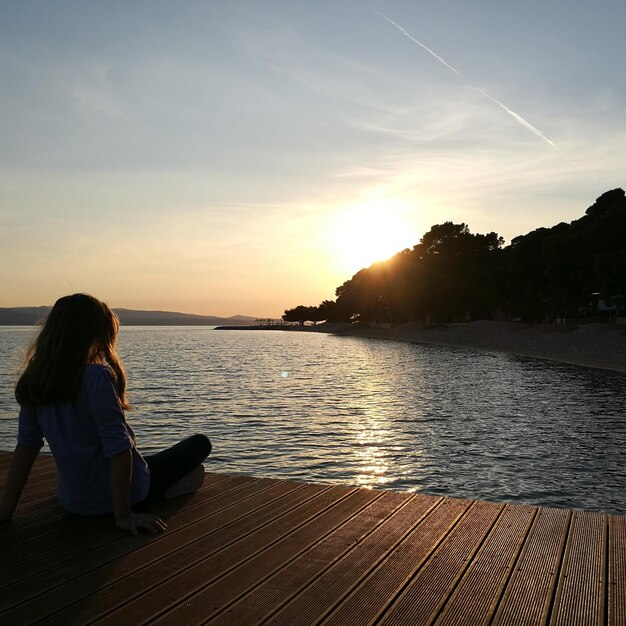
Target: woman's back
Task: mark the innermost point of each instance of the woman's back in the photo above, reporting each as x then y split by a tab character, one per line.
83	435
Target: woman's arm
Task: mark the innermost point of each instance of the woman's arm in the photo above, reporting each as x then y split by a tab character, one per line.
19	470
121	469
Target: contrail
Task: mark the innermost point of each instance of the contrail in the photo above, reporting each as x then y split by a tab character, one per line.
516	116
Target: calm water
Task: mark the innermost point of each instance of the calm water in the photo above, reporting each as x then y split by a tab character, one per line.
373	413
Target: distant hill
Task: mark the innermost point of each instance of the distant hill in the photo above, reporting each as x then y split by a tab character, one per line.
29	316
23	316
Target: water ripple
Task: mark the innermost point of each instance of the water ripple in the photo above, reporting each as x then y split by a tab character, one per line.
306	406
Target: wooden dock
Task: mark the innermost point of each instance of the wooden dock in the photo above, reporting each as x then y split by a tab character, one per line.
254	550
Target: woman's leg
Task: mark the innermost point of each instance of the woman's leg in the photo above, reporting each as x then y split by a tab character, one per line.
178	470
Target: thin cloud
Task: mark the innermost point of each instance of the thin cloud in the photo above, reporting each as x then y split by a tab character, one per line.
93	101
516	116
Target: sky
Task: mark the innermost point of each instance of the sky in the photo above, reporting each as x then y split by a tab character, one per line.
244	157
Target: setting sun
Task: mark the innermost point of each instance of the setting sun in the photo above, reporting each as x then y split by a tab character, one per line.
369	232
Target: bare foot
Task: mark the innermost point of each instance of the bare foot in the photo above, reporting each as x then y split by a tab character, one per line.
187	484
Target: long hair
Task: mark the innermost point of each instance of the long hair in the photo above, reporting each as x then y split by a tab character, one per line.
78	331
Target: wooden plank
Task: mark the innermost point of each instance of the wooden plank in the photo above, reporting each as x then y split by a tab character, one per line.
373	594
246	563
43	466
66	561
102	591
528	598
247	550
617	572
304	605
41	486
478	593
46	511
581	590
82	577
39	504
45	517
30	515
68	535
426	593
40	479
32	497
257	602
65	537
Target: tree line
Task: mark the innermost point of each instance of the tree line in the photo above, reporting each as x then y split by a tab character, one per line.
570	270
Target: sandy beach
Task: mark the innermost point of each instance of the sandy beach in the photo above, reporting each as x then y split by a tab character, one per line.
591	345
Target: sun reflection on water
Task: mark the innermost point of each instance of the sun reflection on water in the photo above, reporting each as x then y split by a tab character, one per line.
373	439
374	468
377	414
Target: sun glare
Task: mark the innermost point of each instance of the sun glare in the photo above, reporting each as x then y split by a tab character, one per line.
370	232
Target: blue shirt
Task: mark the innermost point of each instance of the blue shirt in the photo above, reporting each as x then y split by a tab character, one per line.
83	435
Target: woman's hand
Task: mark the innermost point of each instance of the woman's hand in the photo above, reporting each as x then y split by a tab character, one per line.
133	522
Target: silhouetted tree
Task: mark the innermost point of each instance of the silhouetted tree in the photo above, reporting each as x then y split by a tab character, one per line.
557	272
459	271
528	283
330	312
452	274
301	314
362	297
605	224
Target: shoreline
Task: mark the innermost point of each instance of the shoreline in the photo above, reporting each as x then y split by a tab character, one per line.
600	346
594	345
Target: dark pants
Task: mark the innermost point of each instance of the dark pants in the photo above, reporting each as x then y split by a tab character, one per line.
169	466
